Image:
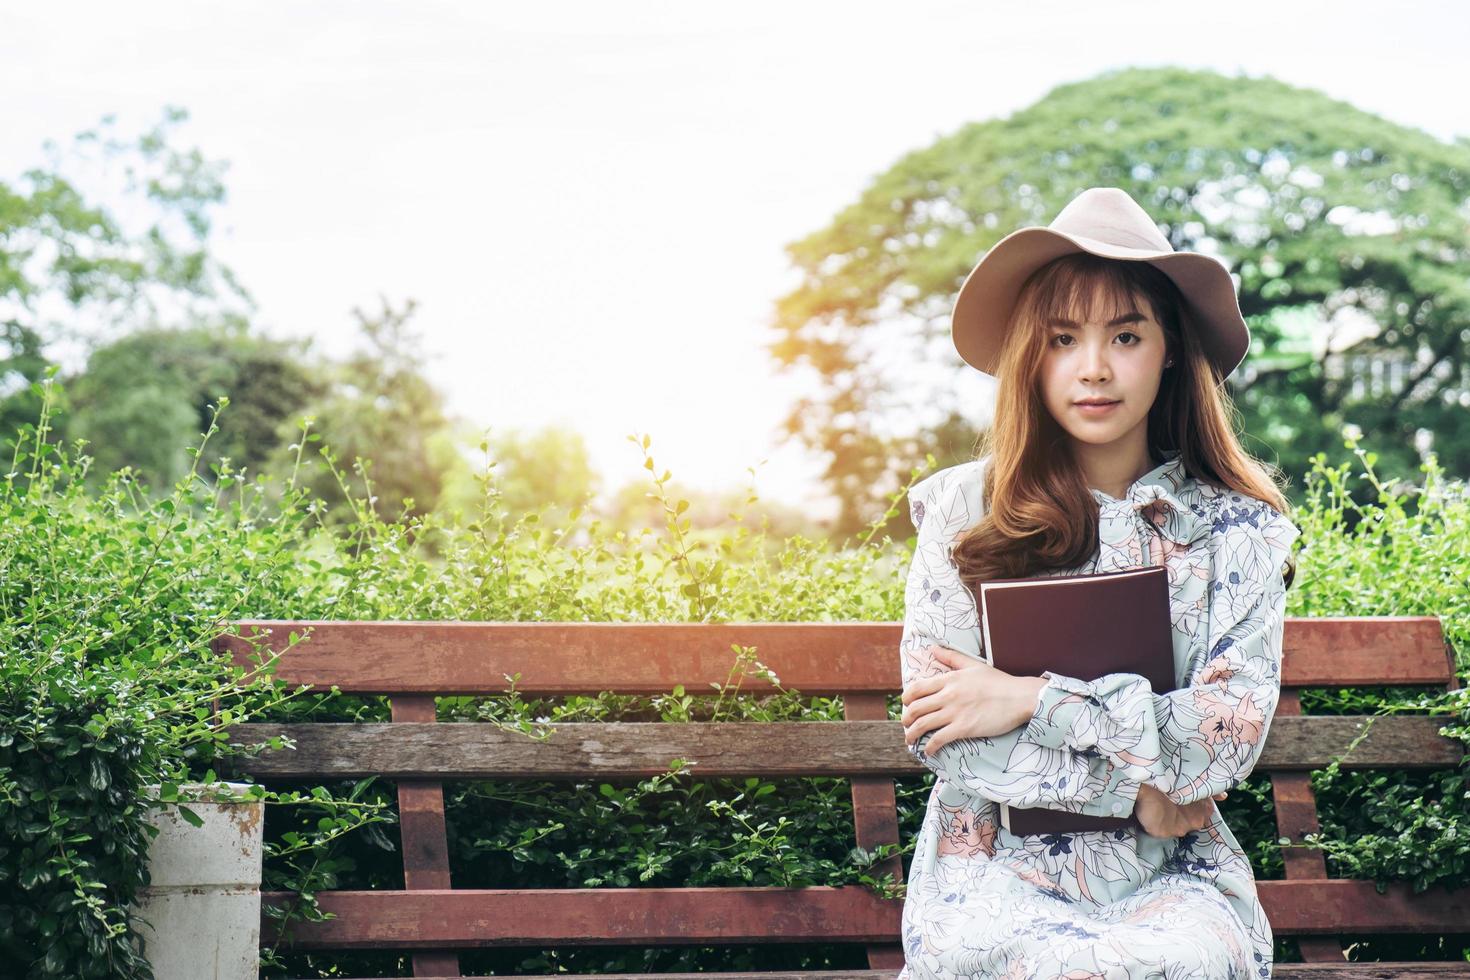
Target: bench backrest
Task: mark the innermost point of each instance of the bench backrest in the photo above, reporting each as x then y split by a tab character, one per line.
412	662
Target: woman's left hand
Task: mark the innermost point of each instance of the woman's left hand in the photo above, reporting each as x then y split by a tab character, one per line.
969	699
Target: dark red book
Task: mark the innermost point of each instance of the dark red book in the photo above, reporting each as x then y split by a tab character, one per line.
1083	626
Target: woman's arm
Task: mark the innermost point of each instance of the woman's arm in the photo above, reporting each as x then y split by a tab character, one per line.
940	611
1204	738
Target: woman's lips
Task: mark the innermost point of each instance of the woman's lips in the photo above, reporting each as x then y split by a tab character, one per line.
1088	408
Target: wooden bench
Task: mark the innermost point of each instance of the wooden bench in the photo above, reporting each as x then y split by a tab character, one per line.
412	662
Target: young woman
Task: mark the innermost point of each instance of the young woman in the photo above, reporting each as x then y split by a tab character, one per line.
1111	447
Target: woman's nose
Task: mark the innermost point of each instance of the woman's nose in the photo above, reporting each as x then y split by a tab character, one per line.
1094	363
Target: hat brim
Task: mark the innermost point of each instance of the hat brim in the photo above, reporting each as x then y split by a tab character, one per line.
982	309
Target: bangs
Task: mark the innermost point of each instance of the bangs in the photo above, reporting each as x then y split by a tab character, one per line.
1086	288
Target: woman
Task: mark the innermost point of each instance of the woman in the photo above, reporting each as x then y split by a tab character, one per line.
1095	308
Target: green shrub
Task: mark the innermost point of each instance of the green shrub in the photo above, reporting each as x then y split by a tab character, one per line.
108	684
1403	554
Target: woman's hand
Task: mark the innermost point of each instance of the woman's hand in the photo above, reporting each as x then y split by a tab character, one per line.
1162	817
968	699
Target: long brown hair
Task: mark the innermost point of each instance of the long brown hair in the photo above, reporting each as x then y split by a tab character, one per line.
1039	512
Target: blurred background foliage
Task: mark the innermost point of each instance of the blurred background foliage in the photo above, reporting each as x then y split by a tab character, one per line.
1347	233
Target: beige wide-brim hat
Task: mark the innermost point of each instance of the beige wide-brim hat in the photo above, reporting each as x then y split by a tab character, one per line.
1104	221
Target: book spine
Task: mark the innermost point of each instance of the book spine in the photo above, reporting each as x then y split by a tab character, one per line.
985	629
1081	823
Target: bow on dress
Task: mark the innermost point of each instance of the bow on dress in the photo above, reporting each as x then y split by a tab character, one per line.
1148	526
1152	526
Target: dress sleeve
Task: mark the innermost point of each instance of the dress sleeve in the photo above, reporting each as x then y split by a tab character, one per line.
939	610
1205	737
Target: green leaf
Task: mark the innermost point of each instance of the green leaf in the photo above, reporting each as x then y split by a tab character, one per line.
100	778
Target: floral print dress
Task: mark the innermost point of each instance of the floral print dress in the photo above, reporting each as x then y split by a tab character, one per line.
982	902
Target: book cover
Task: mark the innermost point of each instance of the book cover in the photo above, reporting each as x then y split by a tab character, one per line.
1082	626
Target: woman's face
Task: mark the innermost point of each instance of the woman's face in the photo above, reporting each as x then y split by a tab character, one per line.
1120	361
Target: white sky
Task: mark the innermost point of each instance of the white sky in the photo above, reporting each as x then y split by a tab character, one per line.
589	200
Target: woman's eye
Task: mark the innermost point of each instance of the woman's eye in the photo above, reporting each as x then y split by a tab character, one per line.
1056	340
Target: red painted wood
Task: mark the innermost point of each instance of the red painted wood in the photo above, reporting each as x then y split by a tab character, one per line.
661	916
425	843
1296	816
816	658
875	817
1336	906
1283	971
596	916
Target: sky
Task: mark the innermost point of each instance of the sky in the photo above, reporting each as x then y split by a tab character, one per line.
589	201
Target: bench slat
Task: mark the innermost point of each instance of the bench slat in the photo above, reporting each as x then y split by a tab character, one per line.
554	659
1283	971
466	918
1370	971
591	916
875	815
421	833
464	750
1296	816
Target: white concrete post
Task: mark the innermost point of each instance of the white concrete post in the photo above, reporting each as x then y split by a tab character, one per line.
201	914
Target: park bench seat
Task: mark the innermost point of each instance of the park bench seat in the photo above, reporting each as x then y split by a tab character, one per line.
413	662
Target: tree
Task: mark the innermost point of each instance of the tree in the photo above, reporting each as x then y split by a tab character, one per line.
378	405
547	466
1345	231
144	400
75	273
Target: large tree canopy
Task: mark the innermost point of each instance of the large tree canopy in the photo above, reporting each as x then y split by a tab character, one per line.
1344	232
77	273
